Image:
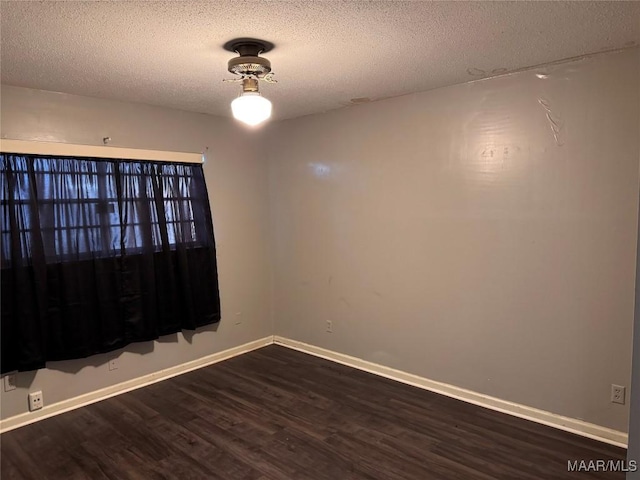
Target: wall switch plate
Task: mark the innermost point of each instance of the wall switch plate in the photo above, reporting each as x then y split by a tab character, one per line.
329	326
113	364
9	381
618	394
35	401
238	318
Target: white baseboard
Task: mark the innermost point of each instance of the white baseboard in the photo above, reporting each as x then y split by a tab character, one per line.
113	390
579	427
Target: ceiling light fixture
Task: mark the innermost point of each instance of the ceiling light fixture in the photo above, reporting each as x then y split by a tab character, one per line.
250	107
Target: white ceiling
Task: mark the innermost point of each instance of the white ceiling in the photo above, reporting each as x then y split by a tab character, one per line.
170	53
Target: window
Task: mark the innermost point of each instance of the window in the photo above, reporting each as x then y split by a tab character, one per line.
97	253
88	208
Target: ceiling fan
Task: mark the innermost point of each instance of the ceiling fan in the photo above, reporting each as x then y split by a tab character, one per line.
250	107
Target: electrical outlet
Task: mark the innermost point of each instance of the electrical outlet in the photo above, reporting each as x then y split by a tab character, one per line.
9	382
618	393
113	364
35	401
329	326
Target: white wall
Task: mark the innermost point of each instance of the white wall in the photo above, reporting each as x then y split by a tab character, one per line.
237	182
453	235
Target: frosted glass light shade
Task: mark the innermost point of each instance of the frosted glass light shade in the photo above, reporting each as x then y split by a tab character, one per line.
251	108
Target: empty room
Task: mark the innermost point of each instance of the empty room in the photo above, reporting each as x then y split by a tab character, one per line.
324	240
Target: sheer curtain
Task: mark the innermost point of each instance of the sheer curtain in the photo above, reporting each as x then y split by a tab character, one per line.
98	253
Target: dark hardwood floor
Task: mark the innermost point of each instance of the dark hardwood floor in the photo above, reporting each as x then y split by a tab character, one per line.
279	414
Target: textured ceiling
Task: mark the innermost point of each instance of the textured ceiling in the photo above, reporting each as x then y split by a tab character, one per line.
326	55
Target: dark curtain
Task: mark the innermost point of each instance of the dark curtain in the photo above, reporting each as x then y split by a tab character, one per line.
99	253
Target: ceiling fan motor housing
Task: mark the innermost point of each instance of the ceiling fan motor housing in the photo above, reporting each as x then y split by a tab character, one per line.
249	63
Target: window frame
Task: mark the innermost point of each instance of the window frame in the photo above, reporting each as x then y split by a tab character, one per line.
55	149
35	147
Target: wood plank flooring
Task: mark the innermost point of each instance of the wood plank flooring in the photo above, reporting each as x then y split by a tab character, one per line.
279	414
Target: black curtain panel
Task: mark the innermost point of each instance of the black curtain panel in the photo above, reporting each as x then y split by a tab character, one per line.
99	253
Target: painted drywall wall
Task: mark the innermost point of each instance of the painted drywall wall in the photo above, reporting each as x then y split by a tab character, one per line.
238	188
481	235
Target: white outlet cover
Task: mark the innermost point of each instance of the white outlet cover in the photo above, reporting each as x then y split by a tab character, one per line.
35	401
9	381
113	364
618	393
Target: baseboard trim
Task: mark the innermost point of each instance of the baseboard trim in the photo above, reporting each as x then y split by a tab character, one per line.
26	418
579	427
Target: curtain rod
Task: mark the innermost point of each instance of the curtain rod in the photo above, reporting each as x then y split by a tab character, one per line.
69	149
